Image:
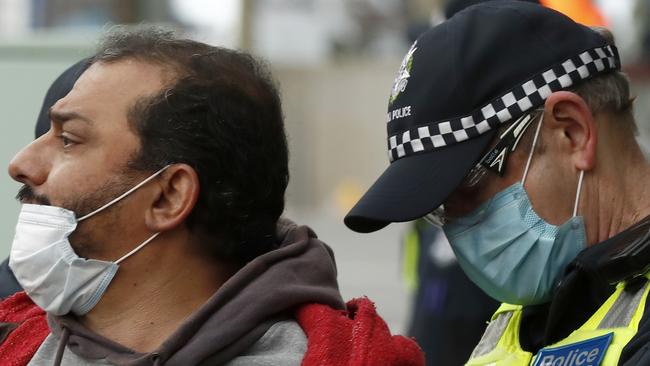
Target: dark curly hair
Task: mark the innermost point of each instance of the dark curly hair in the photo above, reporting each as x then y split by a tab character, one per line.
221	115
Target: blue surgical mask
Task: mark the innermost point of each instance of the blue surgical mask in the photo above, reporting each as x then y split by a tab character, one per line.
509	251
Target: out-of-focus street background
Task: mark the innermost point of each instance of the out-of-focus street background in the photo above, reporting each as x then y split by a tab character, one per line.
335	61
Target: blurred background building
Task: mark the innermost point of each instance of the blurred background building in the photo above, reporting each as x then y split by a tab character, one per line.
334	60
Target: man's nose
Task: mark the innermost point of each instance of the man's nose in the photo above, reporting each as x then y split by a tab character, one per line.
31	164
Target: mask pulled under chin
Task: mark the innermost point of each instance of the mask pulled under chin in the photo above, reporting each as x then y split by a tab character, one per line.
48	269
53	276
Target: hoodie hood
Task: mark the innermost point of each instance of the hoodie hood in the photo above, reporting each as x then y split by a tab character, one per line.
302	270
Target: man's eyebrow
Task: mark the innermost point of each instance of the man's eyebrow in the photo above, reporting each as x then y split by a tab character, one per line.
64	116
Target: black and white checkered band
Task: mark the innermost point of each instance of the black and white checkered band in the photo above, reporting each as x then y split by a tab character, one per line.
513	104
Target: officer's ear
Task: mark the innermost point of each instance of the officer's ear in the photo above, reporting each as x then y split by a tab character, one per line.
176	193
573	128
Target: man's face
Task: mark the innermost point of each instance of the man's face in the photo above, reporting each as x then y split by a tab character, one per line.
82	162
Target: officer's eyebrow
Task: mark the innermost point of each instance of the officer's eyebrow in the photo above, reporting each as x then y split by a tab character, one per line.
64	116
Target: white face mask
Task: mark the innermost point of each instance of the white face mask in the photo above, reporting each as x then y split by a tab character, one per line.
49	270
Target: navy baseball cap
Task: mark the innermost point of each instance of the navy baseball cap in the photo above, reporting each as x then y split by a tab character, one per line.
59	89
487	65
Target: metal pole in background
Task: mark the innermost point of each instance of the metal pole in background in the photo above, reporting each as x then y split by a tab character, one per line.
246	26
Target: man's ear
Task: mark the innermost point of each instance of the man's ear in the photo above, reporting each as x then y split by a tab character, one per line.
179	191
573	123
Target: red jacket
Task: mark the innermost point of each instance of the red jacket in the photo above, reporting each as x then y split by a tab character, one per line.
356	337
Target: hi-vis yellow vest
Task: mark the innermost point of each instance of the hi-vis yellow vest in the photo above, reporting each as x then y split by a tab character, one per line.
599	341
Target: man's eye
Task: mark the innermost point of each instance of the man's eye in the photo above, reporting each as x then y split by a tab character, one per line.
65	141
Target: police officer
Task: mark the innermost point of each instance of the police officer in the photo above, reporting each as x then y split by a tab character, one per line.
511	127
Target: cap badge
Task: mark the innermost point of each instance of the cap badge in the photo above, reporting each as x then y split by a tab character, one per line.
402	78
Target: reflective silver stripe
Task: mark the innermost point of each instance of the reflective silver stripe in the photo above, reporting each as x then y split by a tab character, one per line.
621	312
492	334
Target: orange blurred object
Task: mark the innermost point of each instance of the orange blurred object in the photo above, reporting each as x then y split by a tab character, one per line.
581	11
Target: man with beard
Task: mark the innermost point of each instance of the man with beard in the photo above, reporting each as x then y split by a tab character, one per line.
150	230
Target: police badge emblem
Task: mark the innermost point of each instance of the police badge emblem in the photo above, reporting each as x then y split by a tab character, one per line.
402	78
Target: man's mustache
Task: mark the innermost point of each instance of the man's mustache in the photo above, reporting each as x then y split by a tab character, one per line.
26	195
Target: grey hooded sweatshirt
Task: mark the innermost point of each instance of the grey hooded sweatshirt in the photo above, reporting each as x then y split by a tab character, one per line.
248	321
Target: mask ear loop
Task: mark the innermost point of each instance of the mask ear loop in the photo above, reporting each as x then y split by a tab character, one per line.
530	158
532	149
575	207
123	194
136	249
